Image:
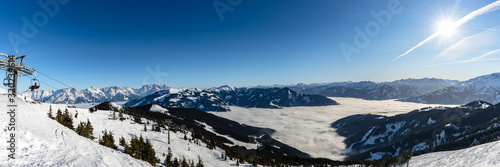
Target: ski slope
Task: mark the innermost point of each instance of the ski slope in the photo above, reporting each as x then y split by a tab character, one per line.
484	155
42	141
309	128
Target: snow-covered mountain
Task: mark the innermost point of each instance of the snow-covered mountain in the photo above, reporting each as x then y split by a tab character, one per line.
376	91
219	99
486	88
373	137
72	95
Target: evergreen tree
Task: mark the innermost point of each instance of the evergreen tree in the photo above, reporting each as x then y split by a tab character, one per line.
191	163
200	162
176	163
122	141
137	119
149	153
184	162
108	140
141	149
89	129
50	112
85	129
168	159
67	120
59	115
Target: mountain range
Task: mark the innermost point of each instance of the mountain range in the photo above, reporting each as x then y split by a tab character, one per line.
369	90
89	95
486	88
426	90
219	99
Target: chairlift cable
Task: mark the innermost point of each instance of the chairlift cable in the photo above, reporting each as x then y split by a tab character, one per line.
54	79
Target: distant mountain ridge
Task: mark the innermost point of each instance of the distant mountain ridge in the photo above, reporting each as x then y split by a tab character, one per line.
219	99
114	94
369	90
486	88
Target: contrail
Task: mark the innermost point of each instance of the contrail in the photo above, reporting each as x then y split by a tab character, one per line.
486	9
478	58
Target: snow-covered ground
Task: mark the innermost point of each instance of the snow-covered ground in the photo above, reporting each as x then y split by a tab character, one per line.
484	155
309	128
42	141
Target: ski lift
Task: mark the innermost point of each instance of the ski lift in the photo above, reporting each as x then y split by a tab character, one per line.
36	84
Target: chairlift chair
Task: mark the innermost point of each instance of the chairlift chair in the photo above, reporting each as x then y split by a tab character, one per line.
36	84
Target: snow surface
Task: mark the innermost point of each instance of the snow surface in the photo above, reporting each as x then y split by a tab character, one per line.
42	141
157	108
309	128
482	155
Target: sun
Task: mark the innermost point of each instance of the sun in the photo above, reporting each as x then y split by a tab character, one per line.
446	28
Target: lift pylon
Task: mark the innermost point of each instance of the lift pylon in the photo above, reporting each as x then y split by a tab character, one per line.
13	70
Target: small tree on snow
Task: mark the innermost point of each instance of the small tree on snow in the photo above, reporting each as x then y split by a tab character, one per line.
50	112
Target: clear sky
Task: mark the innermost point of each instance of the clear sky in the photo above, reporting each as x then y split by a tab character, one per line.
194	43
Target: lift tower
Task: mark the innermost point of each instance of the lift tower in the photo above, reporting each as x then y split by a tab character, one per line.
14	69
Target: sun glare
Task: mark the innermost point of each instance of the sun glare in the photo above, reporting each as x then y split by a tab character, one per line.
446	28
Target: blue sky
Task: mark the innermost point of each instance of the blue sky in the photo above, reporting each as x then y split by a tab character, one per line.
119	43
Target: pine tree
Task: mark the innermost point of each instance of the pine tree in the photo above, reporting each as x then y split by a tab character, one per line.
200	162
176	163
67	120
59	115
137	119
184	162
108	140
89	130
141	149
168	159
50	112
149	153
122	141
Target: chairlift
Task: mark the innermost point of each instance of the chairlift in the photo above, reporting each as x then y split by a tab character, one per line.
35	84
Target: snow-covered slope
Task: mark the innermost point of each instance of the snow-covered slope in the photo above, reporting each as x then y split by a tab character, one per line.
485	88
484	155
72	95
42	141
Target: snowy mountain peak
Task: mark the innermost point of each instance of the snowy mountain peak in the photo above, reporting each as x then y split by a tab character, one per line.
113	94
